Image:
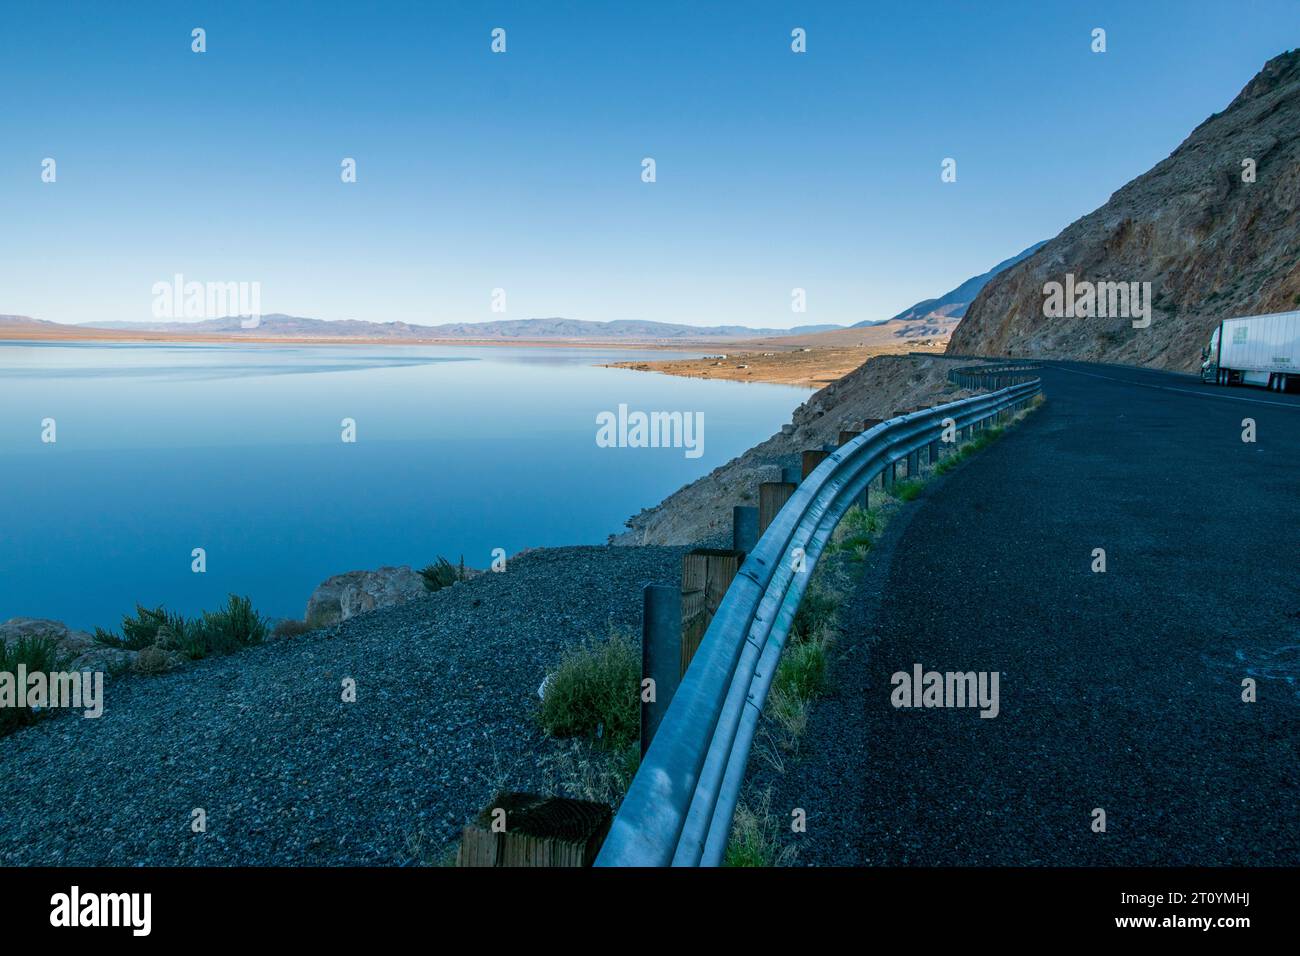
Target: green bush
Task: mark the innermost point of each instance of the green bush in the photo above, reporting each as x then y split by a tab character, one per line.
801	673
816	611
37	654
233	627
142	630
949	463
908	490
443	573
595	693
755	836
288	628
856	531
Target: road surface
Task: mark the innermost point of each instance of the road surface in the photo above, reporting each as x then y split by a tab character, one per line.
1119	690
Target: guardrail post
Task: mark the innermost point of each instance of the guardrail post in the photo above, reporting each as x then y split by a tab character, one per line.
913	463
526	829
934	452
744	528
887	476
791	474
661	653
706	575
847	435
772	496
811	459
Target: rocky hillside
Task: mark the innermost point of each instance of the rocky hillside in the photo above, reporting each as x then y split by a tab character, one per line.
700	513
1211	243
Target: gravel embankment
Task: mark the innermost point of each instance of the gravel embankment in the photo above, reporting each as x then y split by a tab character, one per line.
287	772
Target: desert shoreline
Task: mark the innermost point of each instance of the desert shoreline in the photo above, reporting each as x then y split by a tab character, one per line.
805	362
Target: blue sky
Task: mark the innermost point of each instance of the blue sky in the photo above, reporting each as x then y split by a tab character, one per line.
522	171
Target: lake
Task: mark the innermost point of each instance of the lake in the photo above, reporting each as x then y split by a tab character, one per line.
239	450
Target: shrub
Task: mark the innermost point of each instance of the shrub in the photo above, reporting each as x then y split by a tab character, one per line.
790	714
802	670
233	627
37	654
856	531
816	611
288	628
595	693
192	642
222	631
908	490
755	837
142	630
443	573
949	463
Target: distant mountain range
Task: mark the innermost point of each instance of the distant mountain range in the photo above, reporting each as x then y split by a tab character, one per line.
952	305
930	318
293	326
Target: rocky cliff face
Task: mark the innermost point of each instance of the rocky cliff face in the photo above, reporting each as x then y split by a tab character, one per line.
1212	243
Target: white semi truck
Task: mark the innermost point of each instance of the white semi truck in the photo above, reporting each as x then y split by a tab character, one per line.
1255	350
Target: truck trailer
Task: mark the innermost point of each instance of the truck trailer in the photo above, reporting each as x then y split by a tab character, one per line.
1255	350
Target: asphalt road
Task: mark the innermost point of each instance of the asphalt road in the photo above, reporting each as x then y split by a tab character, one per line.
1119	690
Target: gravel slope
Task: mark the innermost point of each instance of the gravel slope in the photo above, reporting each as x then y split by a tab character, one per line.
287	772
1119	690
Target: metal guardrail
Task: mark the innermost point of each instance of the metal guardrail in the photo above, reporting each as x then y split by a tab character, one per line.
993	376
679	807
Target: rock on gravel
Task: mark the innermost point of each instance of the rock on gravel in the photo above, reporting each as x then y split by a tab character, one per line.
289	774
355	592
77	648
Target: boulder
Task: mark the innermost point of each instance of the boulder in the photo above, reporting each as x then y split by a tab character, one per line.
77	649
355	592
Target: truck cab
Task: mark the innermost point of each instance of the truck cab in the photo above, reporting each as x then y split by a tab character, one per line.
1210	357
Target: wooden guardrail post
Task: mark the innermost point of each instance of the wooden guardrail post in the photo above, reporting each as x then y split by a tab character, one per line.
791	474
525	829
811	459
933	449
706	575
744	528
661	654
887	476
847	435
772	496
913	463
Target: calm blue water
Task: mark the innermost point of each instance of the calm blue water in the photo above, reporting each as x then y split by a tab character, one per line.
237	449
